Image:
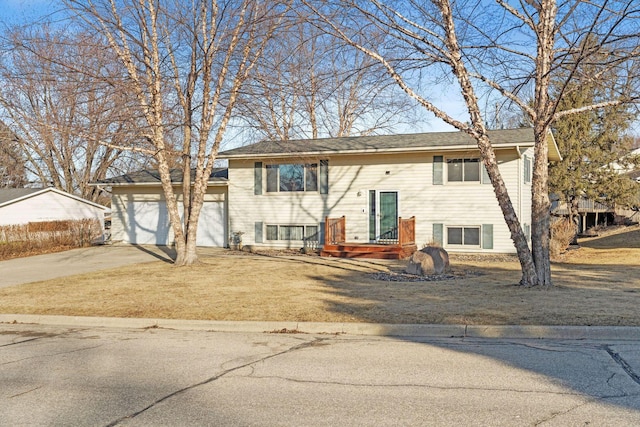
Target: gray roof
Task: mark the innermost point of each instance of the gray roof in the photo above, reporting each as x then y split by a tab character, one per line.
8	194
380	143
153	177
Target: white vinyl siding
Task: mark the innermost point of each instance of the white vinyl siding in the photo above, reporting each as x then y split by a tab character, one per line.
352	177
49	206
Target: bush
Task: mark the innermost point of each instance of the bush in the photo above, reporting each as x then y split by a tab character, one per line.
562	234
50	236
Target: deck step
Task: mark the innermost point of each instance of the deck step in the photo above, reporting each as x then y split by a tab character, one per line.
368	251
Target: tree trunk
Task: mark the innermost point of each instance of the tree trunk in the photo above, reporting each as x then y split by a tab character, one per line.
511	218
186	254
541	209
572	206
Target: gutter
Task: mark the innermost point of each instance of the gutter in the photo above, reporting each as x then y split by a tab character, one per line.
365	151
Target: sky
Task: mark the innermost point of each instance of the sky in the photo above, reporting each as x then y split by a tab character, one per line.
25	11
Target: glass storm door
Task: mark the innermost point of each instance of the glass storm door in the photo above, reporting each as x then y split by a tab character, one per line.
383	215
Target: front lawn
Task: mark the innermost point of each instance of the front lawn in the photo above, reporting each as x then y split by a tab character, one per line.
598	284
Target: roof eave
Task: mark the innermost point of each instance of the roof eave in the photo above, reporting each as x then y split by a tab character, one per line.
371	151
217	182
55	190
554	152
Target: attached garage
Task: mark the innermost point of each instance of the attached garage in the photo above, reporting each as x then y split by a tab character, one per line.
140	216
145	223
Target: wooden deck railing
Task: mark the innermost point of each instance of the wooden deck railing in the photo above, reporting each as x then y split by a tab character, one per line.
407	231
405	234
335	230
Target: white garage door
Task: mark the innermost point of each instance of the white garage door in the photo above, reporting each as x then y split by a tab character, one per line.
211	225
148	223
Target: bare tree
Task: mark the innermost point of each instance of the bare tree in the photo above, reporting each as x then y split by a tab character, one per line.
58	109
507	50
185	64
310	86
12	170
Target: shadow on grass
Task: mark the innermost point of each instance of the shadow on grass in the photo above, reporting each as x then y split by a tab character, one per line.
169	253
624	240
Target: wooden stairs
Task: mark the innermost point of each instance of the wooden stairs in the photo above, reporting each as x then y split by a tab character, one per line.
368	250
399	248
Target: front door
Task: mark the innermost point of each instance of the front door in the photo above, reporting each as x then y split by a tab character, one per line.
383	215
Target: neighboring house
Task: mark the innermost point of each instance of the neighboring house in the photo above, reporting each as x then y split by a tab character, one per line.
24	205
592	213
280	192
139	212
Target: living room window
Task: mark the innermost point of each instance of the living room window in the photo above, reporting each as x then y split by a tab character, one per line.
292	177
291	232
463	236
463	170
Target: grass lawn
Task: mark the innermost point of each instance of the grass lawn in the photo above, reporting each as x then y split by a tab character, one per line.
597	284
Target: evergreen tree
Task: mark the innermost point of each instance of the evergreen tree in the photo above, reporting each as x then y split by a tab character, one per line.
592	143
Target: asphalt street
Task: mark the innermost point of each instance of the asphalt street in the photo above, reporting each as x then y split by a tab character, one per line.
58	375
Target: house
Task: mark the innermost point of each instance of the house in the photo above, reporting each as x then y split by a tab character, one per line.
280	193
139	212
372	192
25	205
592	213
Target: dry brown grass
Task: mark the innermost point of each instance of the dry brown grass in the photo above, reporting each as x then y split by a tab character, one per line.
598	284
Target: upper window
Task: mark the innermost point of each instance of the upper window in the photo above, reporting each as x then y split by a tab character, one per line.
292	177
463	170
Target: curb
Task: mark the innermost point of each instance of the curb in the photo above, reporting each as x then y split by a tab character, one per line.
370	329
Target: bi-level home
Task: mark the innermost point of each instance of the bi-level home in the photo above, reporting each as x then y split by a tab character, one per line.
356	193
354	196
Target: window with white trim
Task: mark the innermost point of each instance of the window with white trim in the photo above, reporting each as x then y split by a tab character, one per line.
463	236
291	232
292	177
463	170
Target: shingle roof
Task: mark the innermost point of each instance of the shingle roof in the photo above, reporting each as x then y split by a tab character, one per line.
153	177
380	143
8	194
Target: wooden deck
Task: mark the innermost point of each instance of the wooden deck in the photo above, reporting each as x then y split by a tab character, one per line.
368	250
399	248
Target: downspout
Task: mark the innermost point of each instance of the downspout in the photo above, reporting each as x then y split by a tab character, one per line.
519	180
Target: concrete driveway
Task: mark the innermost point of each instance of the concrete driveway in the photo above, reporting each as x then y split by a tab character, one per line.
77	261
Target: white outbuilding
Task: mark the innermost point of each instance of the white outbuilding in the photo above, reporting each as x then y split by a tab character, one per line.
25	205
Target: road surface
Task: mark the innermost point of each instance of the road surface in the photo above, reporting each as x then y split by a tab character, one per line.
55	375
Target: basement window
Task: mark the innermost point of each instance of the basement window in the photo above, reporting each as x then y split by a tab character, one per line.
291	232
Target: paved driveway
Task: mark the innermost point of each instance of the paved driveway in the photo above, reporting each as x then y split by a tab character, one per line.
78	261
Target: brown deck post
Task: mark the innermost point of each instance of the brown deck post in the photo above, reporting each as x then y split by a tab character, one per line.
327	231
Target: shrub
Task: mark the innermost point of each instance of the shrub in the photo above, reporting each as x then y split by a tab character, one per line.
50	236
562	234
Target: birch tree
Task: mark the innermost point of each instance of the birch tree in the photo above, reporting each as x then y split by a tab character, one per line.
491	50
185	63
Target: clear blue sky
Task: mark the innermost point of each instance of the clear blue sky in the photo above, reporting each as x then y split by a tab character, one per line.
26	11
